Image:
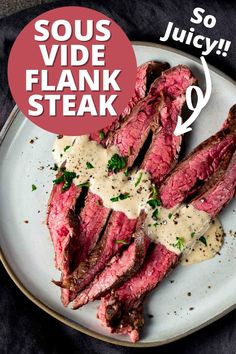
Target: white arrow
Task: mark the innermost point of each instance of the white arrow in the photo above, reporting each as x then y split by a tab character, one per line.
201	102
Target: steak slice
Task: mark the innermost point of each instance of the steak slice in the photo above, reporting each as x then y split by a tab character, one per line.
128	138
163	138
163	152
146	74
63	224
92	220
199	164
102	253
120	268
114	308
215	198
158	262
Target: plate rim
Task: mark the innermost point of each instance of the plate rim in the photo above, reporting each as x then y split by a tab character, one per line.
60	317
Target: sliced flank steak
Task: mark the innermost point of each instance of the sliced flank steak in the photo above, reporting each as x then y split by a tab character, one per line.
119	269
199	164
146	74
163	138
218	191
93	216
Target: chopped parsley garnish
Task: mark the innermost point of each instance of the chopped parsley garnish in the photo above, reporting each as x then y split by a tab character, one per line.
34	187
154	192
155	214
179	243
170	215
89	165
126	172
66	178
66	147
116	163
139	179
123	242
101	135
192	234
124	196
154	203
203	240
114	199
120	197
85	184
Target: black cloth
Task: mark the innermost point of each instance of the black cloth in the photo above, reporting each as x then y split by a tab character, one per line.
27	329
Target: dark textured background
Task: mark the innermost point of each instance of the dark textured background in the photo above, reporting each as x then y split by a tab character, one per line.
26	329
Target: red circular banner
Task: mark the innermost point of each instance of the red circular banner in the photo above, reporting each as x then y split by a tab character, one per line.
72	70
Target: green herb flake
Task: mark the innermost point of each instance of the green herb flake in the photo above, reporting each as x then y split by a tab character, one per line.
126	172
116	163
85	184
179	243
139	179
192	234
170	215
154	203
66	178
155	214
124	196
66	147
114	199
120	197
59	180
34	187
154	192
89	165
101	135
203	240
123	242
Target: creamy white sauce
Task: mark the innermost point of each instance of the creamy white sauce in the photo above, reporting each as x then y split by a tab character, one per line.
59	146
106	185
178	228
214	237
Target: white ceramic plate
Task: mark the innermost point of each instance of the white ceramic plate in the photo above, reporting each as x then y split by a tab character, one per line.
27	252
